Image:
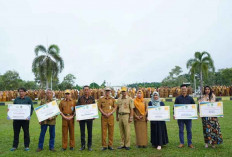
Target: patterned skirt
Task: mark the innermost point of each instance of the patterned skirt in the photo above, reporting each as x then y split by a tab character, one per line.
211	130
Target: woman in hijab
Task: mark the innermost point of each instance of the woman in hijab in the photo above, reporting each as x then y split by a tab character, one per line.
140	120
211	127
159	135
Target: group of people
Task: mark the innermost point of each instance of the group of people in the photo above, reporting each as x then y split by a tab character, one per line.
127	110
97	93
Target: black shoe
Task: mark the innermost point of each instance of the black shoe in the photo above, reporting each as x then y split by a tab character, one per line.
127	148
71	148
82	148
139	147
110	148
62	149
121	147
90	149
104	148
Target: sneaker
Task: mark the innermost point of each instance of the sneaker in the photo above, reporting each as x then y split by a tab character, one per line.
52	150
90	149
121	147
62	149
159	148
206	145
110	148
104	148
12	149
82	148
71	148
27	149
127	148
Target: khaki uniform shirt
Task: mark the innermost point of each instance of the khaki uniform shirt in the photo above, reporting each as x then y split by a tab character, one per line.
125	105
106	104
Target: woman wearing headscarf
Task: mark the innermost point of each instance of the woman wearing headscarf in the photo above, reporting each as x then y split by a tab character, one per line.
211	127
140	120
159	135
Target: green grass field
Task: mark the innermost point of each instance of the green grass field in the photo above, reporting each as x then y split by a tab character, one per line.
6	139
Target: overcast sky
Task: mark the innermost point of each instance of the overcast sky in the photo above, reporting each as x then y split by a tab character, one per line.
123	41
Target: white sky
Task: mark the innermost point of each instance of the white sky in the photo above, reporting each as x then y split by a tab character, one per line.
123	41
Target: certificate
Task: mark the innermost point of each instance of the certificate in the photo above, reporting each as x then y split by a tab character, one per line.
84	112
158	113
208	109
185	111
19	111
46	111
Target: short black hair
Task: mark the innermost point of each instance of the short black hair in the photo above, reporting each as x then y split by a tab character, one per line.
21	88
183	85
85	86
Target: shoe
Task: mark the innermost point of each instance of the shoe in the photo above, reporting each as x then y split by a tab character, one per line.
104	148
139	146
206	145
121	147
191	146
39	150
27	149
159	148
71	148
82	148
52	150
144	146
181	146
127	148
62	149
12	149
110	148
90	149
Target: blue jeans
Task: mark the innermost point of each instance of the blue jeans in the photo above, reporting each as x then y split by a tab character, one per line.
42	135
188	123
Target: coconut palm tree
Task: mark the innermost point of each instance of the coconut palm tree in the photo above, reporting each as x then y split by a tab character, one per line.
201	64
47	63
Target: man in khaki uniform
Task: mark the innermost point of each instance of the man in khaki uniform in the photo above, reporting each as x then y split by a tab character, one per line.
67	109
107	107
124	114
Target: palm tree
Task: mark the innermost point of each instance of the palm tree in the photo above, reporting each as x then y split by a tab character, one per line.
47	65
201	64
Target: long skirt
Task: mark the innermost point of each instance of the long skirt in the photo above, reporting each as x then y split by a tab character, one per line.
159	135
141	133
211	130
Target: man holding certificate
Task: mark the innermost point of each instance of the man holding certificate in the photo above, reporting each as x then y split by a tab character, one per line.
184	99
51	122
84	100
67	109
17	124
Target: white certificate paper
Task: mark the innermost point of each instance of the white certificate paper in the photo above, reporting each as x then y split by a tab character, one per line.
208	109
46	111
19	111
158	113
84	112
185	111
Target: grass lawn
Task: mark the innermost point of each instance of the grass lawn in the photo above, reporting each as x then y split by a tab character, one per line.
6	139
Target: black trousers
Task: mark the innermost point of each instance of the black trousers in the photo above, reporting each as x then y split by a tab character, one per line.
17	124
89	128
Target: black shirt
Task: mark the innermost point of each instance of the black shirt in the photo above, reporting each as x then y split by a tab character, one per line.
83	101
184	100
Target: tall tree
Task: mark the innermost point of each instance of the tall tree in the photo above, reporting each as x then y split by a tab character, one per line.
47	63
201	64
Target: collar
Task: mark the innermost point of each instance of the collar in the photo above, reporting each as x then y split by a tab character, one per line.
184	96
68	99
125	97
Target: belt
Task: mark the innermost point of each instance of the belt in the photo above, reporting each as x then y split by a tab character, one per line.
123	113
68	114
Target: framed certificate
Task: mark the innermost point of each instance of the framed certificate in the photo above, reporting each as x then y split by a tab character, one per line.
208	109
185	111
46	111
19	111
158	113
84	112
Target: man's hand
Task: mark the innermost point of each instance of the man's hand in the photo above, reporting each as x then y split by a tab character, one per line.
117	118
130	120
